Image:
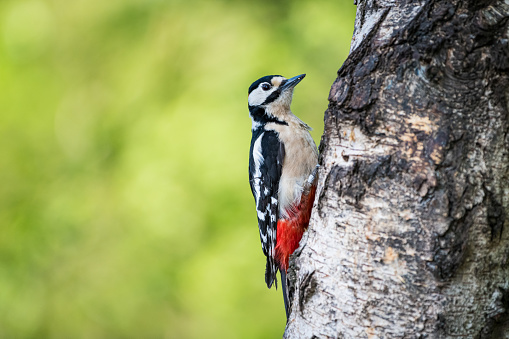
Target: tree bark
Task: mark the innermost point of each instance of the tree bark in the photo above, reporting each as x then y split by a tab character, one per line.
409	233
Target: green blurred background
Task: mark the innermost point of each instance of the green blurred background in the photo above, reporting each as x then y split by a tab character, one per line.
125	208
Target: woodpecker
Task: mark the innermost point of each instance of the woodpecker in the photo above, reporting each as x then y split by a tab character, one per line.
283	163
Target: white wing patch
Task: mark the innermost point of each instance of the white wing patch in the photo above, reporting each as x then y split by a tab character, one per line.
258	160
261	215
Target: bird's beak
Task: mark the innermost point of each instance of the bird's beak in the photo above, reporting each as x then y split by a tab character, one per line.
292	82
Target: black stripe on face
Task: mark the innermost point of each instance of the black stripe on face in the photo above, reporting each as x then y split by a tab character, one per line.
272	97
258	115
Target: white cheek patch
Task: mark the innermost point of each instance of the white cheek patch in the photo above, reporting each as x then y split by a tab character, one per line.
258	96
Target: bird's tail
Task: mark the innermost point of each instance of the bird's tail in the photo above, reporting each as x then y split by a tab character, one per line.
270	272
285	293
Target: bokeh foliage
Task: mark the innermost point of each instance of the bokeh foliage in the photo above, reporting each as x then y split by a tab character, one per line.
125	209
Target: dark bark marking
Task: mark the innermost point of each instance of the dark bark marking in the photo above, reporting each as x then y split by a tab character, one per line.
339	91
307	289
361	95
475	5
344	156
495	216
435	146
381	167
450	248
351	185
350	181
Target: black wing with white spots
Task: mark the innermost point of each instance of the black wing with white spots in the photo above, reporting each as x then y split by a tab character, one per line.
265	167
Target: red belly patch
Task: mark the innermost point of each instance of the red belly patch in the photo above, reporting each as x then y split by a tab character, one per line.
289	231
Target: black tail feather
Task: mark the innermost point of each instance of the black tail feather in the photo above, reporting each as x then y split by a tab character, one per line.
285	293
271	278
270	273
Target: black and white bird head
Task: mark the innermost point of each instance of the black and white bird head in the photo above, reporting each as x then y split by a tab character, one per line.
272	95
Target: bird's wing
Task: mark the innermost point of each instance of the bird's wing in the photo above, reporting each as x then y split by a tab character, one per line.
267	157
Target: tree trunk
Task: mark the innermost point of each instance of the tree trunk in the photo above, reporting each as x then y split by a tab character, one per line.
409	233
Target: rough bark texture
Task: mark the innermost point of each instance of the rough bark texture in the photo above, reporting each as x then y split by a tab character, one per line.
409	236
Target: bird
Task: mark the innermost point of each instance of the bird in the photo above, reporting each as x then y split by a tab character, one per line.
283	166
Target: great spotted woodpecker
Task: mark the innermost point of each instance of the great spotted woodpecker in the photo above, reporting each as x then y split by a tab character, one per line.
282	172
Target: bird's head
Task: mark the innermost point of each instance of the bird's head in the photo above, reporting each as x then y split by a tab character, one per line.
273	92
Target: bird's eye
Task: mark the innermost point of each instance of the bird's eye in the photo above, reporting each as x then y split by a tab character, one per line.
265	86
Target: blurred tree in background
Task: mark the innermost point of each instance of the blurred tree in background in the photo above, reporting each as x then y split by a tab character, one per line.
125	209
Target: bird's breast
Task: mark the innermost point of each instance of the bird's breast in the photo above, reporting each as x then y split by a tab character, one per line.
301	158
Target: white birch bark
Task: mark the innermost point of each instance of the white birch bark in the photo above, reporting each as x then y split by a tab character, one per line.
409	236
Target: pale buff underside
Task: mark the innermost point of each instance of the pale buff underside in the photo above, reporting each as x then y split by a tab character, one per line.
301	154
